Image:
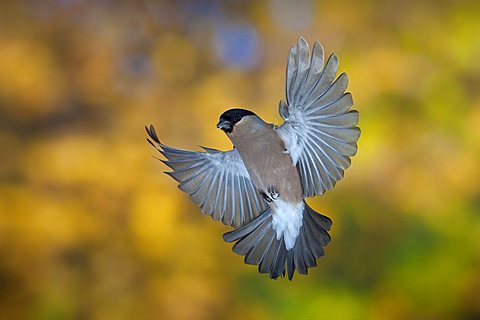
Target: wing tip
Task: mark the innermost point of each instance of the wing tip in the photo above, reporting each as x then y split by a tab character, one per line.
230	236
209	150
356	114
333	58
283	109
152	133
302	43
318	45
150	142
343	75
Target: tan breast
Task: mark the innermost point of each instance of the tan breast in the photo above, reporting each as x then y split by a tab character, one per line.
264	155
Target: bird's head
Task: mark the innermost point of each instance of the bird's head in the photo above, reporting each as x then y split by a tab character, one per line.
231	117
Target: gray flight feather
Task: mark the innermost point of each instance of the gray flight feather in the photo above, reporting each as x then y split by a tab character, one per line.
319	131
257	241
217	181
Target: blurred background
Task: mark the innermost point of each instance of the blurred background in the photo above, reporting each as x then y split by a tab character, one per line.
91	228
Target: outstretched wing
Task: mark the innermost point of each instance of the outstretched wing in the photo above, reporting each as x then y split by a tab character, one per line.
217	181
320	130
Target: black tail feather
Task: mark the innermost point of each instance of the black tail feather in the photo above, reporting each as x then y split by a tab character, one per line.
248	228
258	242
256	255
290	264
251	240
266	265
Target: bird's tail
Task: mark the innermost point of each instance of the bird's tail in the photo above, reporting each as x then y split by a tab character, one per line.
258	242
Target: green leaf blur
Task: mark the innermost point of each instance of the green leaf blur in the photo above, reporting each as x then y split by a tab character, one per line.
91	227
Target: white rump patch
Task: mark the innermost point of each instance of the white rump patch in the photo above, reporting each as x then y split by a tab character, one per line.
287	220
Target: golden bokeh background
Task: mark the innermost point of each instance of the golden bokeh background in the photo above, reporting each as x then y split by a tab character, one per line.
91	228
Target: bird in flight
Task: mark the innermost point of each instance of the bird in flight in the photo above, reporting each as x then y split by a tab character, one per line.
259	187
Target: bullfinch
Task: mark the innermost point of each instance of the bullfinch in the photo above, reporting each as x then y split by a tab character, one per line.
259	187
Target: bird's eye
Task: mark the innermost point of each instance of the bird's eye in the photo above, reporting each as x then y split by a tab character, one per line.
237	118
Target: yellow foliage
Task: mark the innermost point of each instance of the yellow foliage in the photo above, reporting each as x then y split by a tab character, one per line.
31	83
90	227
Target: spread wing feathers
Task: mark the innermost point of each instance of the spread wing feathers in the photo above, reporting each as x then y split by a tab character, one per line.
257	241
217	181
319	131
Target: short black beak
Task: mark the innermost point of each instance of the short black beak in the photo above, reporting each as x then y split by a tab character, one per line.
225	125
